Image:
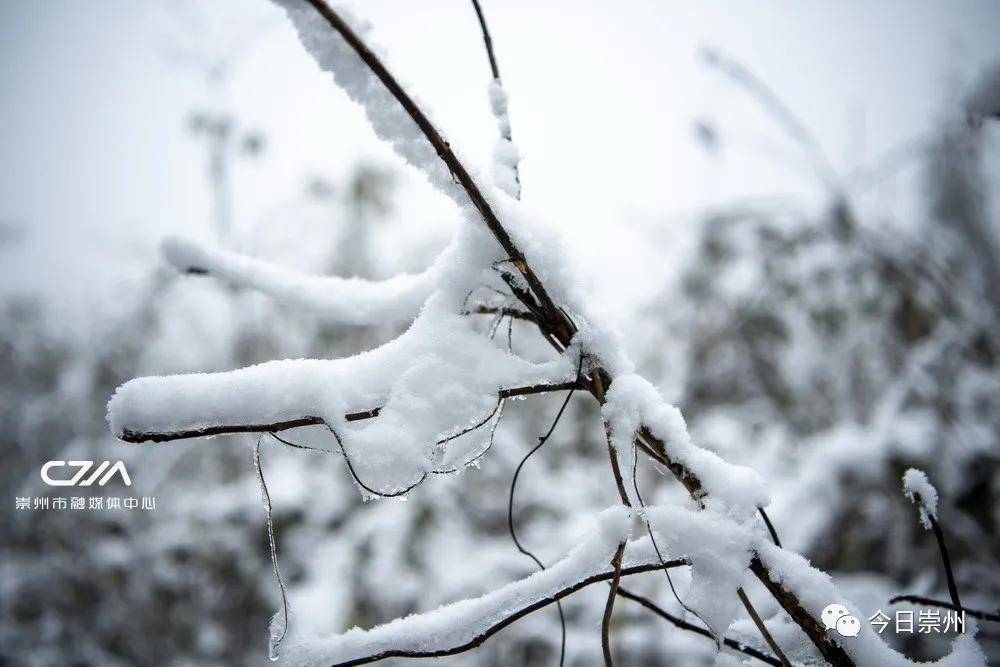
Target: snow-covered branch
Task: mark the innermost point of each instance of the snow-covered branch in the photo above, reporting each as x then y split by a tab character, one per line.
463	625
335	299
441	376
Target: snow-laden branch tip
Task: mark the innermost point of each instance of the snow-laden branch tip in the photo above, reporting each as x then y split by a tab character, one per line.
922	493
462	625
337	300
505	155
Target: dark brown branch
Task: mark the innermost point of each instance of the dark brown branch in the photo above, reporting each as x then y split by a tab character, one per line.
508	620
684	625
553	315
147	436
770	526
487	40
928	602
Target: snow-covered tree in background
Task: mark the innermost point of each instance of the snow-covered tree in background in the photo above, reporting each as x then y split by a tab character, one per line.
425	404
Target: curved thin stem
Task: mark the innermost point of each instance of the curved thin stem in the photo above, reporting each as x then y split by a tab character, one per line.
609	607
684	625
272	543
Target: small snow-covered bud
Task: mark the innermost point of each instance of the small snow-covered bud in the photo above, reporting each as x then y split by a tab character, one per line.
922	493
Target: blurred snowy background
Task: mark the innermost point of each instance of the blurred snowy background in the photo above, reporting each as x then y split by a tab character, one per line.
799	222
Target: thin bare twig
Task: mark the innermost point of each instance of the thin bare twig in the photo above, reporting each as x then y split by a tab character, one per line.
510	506
272	543
759	622
487	40
770	526
945	560
609	607
684	625
929	602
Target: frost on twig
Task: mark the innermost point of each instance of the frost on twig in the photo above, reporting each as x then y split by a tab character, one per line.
337	300
922	493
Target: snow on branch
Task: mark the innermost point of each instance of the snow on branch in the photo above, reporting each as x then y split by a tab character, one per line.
462	625
437	378
335	299
429	385
633	404
922	493
719	551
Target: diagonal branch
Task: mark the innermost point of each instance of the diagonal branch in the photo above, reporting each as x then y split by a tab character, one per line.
553	321
552	314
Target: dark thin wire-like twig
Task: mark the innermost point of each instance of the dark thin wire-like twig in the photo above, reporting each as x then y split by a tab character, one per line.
510	504
489	445
684	625
928	602
946	561
770	526
487	40
266	497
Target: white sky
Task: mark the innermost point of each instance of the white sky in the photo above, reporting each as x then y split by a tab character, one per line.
96	165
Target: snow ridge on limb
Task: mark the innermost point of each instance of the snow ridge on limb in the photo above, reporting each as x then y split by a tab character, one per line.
391	123
458	626
354	301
